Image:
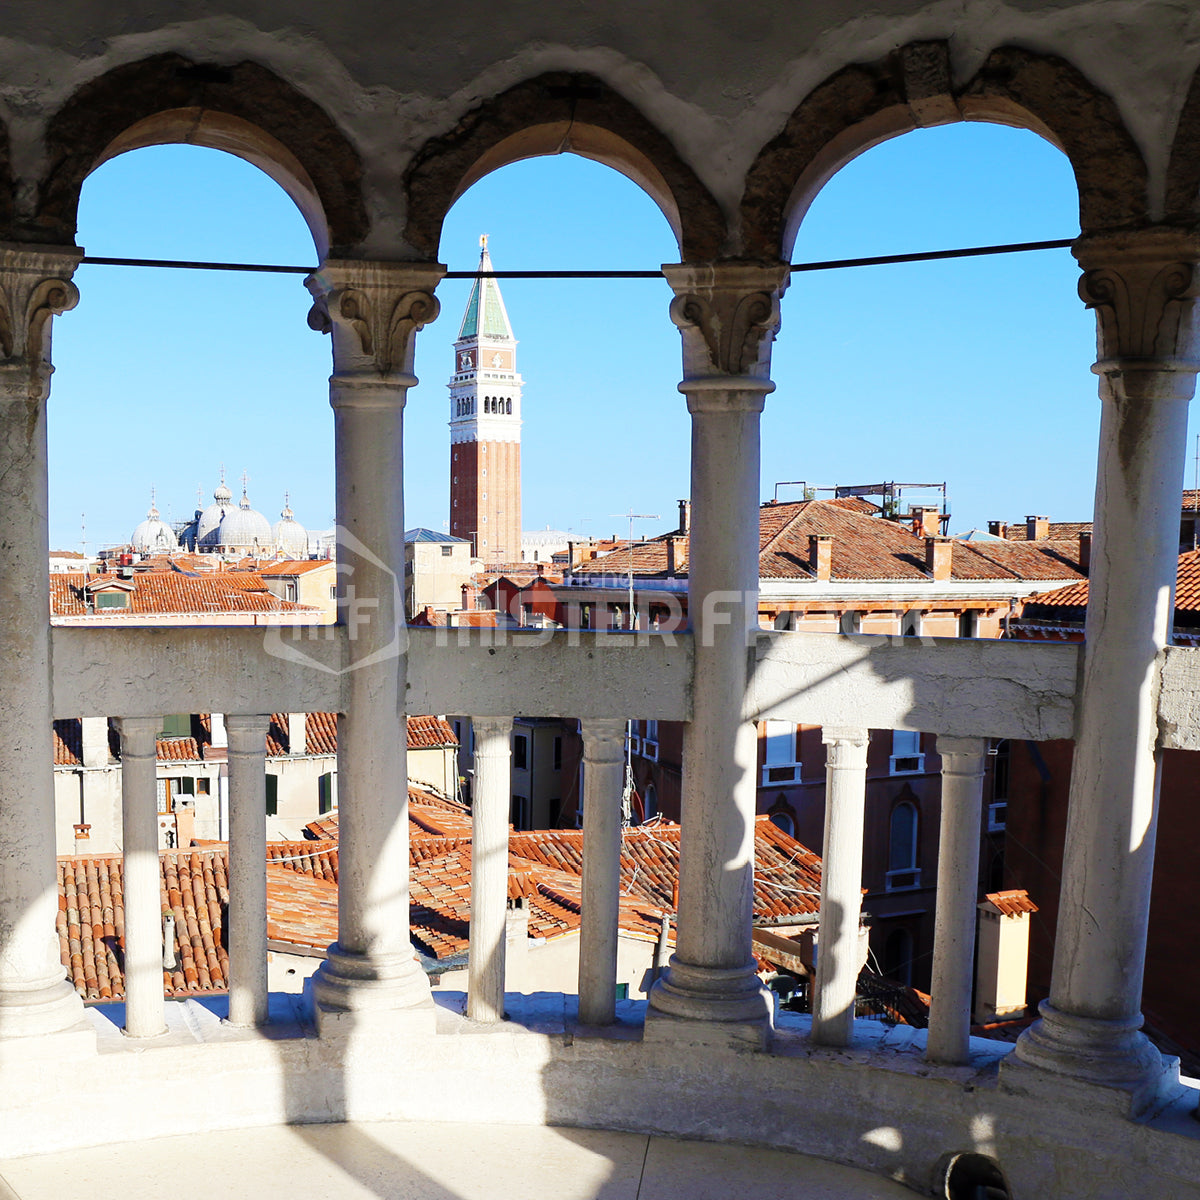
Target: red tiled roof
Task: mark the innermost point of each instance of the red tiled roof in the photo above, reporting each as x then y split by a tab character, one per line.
1069	604
429	814
292	566
91	922
68	743
169	592
426	733
1012	903
1059	531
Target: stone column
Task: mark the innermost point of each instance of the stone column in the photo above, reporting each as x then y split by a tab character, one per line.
603	784
727	314
1142	288
841	885
142	878
247	868
373	311
963	762
489	867
35	996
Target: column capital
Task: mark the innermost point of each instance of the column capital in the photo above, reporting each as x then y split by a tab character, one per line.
727	313
962	755
247	732
139	736
603	740
35	285
1142	287
374	310
491	727
845	746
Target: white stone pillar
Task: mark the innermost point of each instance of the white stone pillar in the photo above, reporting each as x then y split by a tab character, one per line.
247	868
373	311
841	885
489	868
144	1011
963	761
603	784
727	314
35	996
1142	287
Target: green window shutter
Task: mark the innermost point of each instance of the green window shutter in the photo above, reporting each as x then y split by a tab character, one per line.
272	795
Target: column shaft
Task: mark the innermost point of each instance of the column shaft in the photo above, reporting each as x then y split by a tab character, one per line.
1142	289
603	782
35	996
144	1009
373	311
727	314
489	868
957	899
841	885
247	868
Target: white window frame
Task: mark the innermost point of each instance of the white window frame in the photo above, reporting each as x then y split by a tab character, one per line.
997	816
779	770
904	759
650	741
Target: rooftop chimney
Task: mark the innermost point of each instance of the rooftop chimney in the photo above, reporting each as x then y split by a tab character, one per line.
685	516
820	554
1085	550
675	551
82	835
998	529
1037	529
94	732
938	551
1003	956
926	520
295	732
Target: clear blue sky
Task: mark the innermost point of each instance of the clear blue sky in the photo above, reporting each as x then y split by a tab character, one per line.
975	372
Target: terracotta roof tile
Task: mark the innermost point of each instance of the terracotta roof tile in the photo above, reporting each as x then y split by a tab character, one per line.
172	592
1012	903
429	732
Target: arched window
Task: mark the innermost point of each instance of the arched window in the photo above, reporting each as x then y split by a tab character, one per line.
508	408
902	848
783	816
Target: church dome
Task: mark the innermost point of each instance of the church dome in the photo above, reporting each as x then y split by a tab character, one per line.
245	530
208	522
289	535
153	535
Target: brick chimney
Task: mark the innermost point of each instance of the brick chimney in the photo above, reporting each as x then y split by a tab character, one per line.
1037	529
685	517
938	552
926	520
998	529
676	546
1085	550
820	554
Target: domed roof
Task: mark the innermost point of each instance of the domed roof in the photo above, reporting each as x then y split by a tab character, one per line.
210	519
153	536
289	535
244	529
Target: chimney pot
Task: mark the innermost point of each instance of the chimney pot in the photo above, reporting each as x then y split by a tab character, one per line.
998	528
1037	529
1085	550
820	555
938	554
685	516
926	520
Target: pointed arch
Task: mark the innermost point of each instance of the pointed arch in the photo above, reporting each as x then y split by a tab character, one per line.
244	109
862	105
551	114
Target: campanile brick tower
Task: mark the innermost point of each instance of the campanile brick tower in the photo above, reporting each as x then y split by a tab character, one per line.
485	426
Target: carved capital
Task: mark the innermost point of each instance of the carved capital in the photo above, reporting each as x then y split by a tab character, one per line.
1142	288
373	311
35	285
727	313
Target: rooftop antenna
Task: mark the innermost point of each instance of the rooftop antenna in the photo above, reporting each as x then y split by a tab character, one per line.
634	517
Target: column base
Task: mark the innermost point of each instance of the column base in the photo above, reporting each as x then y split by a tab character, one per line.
1112	1060
39	1010
350	990
710	1006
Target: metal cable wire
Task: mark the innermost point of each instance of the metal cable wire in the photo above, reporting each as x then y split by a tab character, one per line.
833	264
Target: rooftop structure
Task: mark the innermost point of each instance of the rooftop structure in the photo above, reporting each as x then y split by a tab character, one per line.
374	119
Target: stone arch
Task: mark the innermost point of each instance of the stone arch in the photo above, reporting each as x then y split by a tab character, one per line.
244	109
551	114
865	104
1183	168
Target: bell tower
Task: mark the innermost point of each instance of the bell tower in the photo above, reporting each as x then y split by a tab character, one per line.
485	425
